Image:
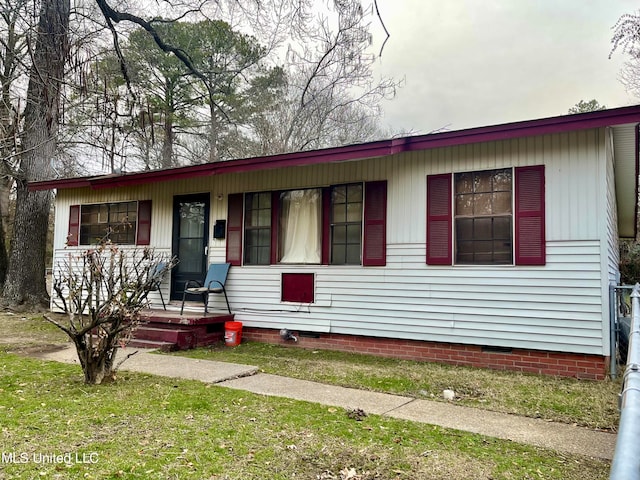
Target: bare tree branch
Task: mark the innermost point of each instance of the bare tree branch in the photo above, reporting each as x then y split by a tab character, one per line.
112	15
102	291
384	27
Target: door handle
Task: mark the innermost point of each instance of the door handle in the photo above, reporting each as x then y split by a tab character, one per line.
206	251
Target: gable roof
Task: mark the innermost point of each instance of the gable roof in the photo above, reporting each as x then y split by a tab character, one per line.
564	123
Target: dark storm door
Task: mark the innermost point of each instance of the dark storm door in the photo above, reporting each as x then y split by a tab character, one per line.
190	241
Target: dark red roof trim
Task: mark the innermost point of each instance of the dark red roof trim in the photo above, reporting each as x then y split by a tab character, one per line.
565	123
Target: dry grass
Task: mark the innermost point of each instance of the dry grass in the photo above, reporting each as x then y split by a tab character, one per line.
25	332
585	403
146	427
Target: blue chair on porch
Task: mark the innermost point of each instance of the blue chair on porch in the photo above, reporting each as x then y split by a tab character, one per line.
156	274
213	283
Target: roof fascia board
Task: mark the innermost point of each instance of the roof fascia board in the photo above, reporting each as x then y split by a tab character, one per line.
507	131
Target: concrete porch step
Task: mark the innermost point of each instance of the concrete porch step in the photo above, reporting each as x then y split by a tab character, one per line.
187	318
185	338
189	330
154	344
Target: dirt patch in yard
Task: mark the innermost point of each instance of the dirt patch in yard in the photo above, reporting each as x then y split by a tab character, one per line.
38	351
29	334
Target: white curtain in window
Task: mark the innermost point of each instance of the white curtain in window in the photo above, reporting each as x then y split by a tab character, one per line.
300	226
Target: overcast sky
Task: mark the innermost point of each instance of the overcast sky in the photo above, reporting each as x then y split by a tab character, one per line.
470	63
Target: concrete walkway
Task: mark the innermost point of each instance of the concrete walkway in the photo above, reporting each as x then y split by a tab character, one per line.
556	436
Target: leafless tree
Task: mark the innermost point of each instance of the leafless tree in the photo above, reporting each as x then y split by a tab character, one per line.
331	87
15	28
630	77
25	281
102	292
626	38
99	117
49	55
331	97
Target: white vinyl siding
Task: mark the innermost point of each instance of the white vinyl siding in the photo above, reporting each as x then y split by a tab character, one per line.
71	256
612	244
558	306
548	307
625	147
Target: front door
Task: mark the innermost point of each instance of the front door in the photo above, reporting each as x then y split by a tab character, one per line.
190	240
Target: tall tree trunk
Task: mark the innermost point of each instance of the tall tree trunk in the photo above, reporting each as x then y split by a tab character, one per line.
166	160
25	282
4	259
8	128
167	145
8	124
214	134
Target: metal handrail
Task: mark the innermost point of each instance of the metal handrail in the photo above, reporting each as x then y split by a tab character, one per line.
626	461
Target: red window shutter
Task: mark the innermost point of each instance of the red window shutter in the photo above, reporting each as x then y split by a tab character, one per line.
529	216
374	250
74	226
234	229
439	220
143	235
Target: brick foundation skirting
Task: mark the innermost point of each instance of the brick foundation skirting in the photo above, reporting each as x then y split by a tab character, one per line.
592	367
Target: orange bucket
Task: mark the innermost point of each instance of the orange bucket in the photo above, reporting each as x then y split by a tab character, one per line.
232	333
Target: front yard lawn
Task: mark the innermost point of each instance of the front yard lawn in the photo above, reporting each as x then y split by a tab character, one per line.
146	427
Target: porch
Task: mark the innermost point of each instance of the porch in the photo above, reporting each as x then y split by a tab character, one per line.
168	330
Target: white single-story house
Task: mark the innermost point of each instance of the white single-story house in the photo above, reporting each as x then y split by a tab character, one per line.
493	246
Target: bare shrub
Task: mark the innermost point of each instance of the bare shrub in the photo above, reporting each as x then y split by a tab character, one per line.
102	290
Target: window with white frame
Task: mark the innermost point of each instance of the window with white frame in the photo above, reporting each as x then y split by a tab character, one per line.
299	235
113	221
483	217
346	224
257	228
338	225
